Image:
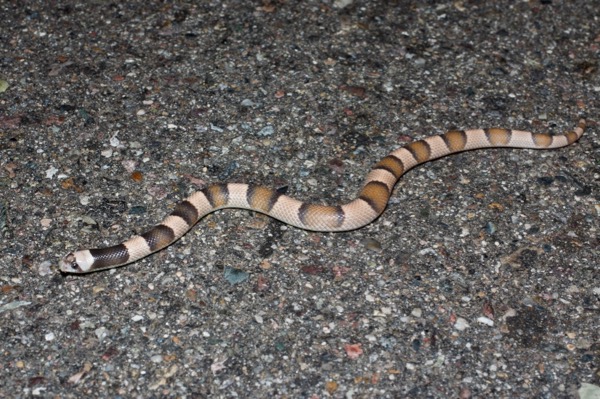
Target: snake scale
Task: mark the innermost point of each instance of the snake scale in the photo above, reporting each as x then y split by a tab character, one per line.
370	203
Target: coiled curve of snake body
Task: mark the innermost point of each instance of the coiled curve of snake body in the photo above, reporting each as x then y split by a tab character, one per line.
370	203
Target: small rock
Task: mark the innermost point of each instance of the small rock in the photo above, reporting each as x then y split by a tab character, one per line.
486	321
50	172
84	199
156	358
235	276
101	333
266	131
44	268
373	245
461	324
13	305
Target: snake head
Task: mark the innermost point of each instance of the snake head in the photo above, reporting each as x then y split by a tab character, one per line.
76	262
68	264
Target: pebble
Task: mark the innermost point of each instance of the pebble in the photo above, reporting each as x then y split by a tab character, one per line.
486	321
373	245
342	3
235	276
44	268
156	358
101	333
84	199
50	172
266	131
461	324
115	142
13	305
419	61
490	228
88	221
215	128
589	391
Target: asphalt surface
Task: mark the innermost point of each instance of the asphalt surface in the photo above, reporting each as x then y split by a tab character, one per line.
481	279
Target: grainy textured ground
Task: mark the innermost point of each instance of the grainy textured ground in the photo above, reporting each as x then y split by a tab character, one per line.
481	279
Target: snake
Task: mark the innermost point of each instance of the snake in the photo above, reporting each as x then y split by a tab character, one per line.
370	203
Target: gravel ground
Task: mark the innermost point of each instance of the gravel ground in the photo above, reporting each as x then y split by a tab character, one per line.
481	279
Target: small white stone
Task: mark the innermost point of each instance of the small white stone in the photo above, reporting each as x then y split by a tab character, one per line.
342	3
417	312
388	86
115	142
101	333
266	131
486	321
50	172
44	268
137	317
156	358
258	318
461	324
49	337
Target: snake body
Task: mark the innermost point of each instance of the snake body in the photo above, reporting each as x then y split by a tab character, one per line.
370	203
